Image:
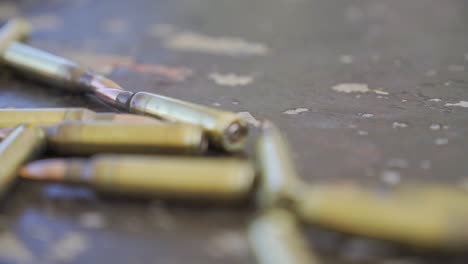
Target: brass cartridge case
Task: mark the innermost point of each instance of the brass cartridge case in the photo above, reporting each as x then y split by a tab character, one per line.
85	138
166	176
43	116
278	180
276	238
389	217
12	31
21	145
225	129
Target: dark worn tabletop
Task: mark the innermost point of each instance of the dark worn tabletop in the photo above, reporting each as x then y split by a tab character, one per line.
370	91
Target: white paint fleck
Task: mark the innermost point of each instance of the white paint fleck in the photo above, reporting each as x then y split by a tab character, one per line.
235	102
12	250
363	133
441	141
46	22
445	127
367	115
228	244
435	127
8	10
404	100
296	111
351	88
399	125
70	246
398	163
461	104
431	73
216	104
425	164
249	118
435	100
377	91
115	26
161	30
456	68
92	220
346	59
230	79
390	177
230	46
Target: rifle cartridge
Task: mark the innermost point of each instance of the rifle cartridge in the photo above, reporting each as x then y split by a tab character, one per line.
278	179
21	145
42	116
85	138
276	238
399	219
224	179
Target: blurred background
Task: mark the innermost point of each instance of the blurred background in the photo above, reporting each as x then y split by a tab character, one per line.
367	91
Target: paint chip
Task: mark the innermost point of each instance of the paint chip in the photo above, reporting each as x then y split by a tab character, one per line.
8	10
435	127
435	100
346	59
351	88
70	246
46	22
367	115
390	177
456	68
115	26
231	46
92	220
399	125
461	104
377	91
249	118
295	111
230	79
441	141
12	250
425	164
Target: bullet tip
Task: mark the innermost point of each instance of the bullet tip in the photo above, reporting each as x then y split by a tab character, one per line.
50	170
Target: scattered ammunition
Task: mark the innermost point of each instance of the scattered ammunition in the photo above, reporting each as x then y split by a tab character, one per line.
42	116
408	220
226	179
276	239
278	178
23	143
85	138
225	129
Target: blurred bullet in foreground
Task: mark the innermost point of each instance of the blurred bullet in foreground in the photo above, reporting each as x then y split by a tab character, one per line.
276	238
278	179
21	145
403	219
213	179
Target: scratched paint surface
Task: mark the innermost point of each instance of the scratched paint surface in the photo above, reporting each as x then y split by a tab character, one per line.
402	120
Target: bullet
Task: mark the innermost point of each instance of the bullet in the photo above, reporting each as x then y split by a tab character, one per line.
21	145
278	181
407	220
86	138
225	129
52	116
276	238
215	179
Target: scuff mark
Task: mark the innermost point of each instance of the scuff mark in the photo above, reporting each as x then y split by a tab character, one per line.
13	250
68	248
46	22
461	104
399	125
435	100
249	118
296	111
231	46
115	26
367	115
351	88
378	91
230	79
8	10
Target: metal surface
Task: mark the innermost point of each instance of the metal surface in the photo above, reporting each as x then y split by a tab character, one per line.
86	138
403	47
43	116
